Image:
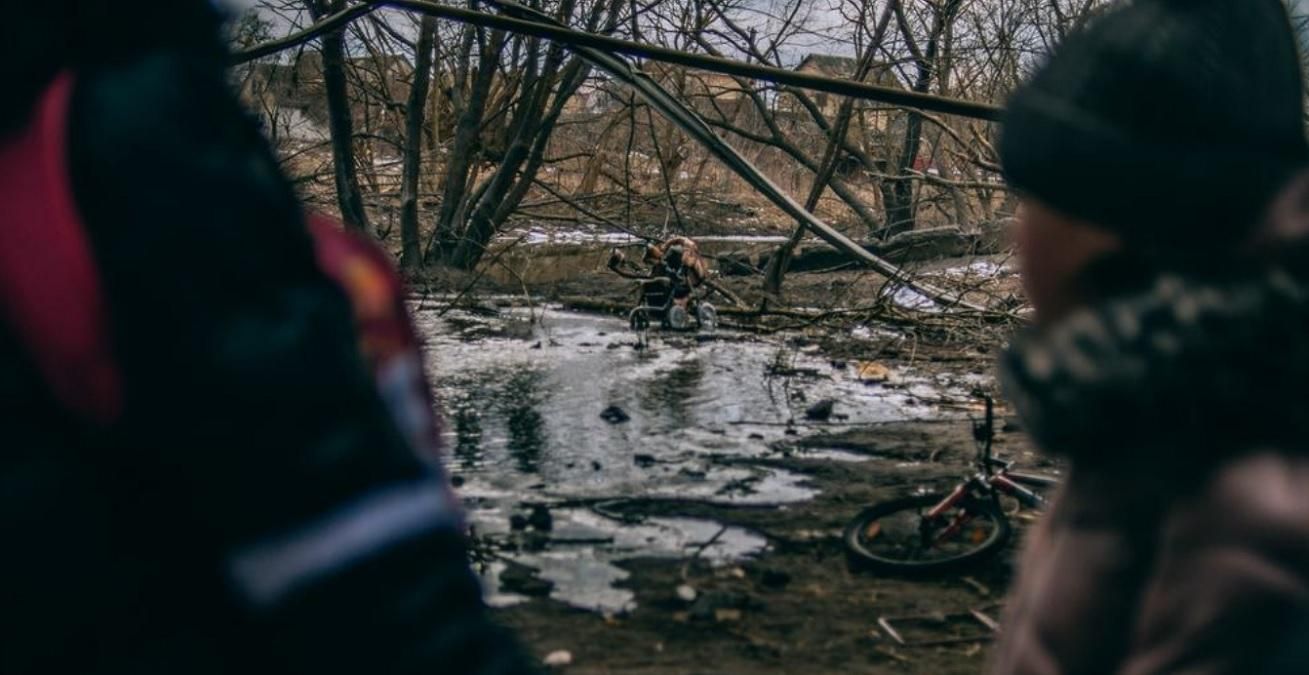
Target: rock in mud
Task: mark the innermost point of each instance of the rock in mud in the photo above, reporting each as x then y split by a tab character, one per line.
540	519
523	581
615	415
710	603
820	411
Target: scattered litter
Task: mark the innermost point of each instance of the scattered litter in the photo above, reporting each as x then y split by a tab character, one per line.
686	593
977	586
872	372
559	658
939	629
887	651
723	615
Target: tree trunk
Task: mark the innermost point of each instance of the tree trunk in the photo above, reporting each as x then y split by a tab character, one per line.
467	131
528	126
777	265
533	125
898	192
340	119
411	248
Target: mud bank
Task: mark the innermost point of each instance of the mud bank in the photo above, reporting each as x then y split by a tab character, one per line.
794	607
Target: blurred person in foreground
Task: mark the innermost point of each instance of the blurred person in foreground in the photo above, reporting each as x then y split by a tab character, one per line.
1164	234
215	436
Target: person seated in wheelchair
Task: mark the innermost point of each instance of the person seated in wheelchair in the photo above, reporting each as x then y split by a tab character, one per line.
676	271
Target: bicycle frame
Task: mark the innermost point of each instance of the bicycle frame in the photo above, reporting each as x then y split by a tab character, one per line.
992	478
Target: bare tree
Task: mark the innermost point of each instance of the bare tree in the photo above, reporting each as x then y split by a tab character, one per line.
415	111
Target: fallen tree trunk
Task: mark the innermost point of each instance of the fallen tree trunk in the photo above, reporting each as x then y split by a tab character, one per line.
908	247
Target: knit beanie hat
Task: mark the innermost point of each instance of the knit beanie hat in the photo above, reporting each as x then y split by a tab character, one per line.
1170	122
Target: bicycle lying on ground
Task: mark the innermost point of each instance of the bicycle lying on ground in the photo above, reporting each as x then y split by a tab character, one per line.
941	532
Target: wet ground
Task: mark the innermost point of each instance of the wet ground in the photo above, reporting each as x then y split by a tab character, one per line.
671	509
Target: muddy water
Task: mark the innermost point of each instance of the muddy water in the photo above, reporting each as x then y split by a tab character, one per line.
523	394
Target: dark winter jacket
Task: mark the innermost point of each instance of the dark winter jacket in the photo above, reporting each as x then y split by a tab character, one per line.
1180	541
248	502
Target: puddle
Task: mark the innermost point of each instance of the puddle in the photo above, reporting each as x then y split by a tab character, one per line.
522	402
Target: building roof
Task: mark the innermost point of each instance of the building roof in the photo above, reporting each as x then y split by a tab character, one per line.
832	65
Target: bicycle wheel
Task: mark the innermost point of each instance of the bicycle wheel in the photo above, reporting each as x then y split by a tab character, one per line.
896	536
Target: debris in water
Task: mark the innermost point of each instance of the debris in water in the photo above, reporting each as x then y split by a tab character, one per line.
820	411
645	461
518	522
686	594
558	659
595	466
615	415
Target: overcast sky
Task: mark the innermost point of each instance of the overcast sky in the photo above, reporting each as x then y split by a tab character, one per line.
822	17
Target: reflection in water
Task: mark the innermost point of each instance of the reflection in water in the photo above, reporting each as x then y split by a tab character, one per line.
673	392
468	436
518	400
691	404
